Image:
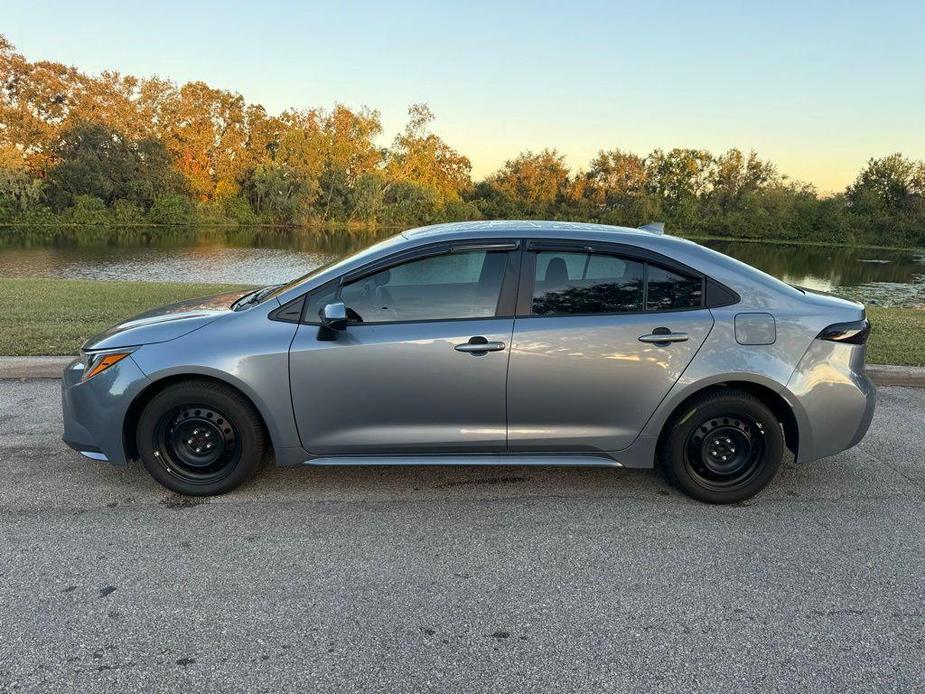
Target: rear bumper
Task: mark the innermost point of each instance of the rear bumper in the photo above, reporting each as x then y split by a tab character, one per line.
834	400
94	410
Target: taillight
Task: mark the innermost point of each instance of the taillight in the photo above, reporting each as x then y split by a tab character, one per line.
853	333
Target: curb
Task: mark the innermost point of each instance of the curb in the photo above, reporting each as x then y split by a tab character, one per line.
889	375
29	368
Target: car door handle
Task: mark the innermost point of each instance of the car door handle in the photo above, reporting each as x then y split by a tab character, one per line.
663	337
479	345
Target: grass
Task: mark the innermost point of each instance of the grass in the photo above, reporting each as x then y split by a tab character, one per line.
896	336
49	316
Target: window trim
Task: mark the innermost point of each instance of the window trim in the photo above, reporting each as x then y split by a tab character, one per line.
509	282
435	249
623	251
516	299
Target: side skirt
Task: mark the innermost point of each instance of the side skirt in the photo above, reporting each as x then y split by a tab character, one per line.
565	459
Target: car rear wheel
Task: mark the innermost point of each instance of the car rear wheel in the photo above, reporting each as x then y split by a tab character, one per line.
723	448
200	438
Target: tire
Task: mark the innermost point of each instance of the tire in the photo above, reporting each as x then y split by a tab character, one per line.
722	448
200	438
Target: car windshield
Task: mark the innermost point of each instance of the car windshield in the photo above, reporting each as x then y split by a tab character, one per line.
279	289
283	288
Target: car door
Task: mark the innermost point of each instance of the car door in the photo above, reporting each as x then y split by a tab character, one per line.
599	339
421	366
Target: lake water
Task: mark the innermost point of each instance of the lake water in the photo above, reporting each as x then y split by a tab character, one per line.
268	256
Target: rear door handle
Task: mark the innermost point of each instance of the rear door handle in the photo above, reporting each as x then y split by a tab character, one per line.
665	337
479	345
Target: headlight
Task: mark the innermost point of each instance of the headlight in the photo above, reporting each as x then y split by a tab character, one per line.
97	362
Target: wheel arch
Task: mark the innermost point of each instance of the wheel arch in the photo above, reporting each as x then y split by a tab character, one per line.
130	421
776	402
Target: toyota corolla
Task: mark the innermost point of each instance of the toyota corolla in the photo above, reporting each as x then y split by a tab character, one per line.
485	343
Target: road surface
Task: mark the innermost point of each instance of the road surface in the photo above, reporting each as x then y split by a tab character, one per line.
459	579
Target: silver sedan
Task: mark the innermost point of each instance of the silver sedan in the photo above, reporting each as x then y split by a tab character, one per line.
489	343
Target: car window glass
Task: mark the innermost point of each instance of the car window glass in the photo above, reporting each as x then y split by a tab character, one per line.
457	285
317	300
668	290
576	283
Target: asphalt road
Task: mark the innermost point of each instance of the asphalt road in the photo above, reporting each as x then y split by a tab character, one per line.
460	579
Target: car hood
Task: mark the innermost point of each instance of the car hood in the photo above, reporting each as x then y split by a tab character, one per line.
165	322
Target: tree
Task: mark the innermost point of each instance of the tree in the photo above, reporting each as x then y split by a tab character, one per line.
678	178
95	161
276	192
889	182
121	148
33	105
407	203
736	176
205	132
529	186
19	192
615	189
889	195
420	157
367	197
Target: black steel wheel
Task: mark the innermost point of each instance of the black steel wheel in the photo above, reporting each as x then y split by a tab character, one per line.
723	447
725	451
196	442
200	438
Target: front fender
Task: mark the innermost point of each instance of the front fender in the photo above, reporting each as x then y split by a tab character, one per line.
250	354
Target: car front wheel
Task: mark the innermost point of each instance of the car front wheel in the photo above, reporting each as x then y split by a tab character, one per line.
200	438
723	448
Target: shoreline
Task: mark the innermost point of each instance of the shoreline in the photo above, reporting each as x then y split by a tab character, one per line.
361	228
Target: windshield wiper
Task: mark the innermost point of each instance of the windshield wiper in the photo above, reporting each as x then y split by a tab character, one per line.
252	297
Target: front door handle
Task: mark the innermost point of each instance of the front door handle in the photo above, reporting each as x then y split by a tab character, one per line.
663	336
479	345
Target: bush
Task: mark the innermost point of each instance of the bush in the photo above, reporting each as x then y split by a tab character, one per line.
460	211
127	213
409	203
87	210
172	209
236	209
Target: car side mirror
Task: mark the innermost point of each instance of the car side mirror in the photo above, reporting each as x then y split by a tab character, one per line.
334	316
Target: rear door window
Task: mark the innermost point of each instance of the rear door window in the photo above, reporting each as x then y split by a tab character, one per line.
570	283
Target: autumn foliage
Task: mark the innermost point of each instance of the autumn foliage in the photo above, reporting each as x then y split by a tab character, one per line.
118	149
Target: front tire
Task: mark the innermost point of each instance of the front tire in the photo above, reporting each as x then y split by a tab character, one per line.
723	448
200	438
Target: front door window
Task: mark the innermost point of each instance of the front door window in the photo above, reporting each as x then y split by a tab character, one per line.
445	287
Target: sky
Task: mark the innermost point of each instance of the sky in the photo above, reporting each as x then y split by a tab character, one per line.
816	87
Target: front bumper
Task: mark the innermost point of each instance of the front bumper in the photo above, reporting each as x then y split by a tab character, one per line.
94	410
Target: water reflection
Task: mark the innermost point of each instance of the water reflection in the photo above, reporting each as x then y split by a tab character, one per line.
247	256
826	267
265	256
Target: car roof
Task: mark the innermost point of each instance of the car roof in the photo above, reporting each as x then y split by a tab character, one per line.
519	227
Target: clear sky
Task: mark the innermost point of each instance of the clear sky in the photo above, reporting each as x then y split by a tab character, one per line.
817	87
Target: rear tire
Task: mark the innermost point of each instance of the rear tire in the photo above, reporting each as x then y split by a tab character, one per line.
200	438
722	448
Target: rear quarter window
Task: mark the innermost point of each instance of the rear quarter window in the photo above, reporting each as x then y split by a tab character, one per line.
669	291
